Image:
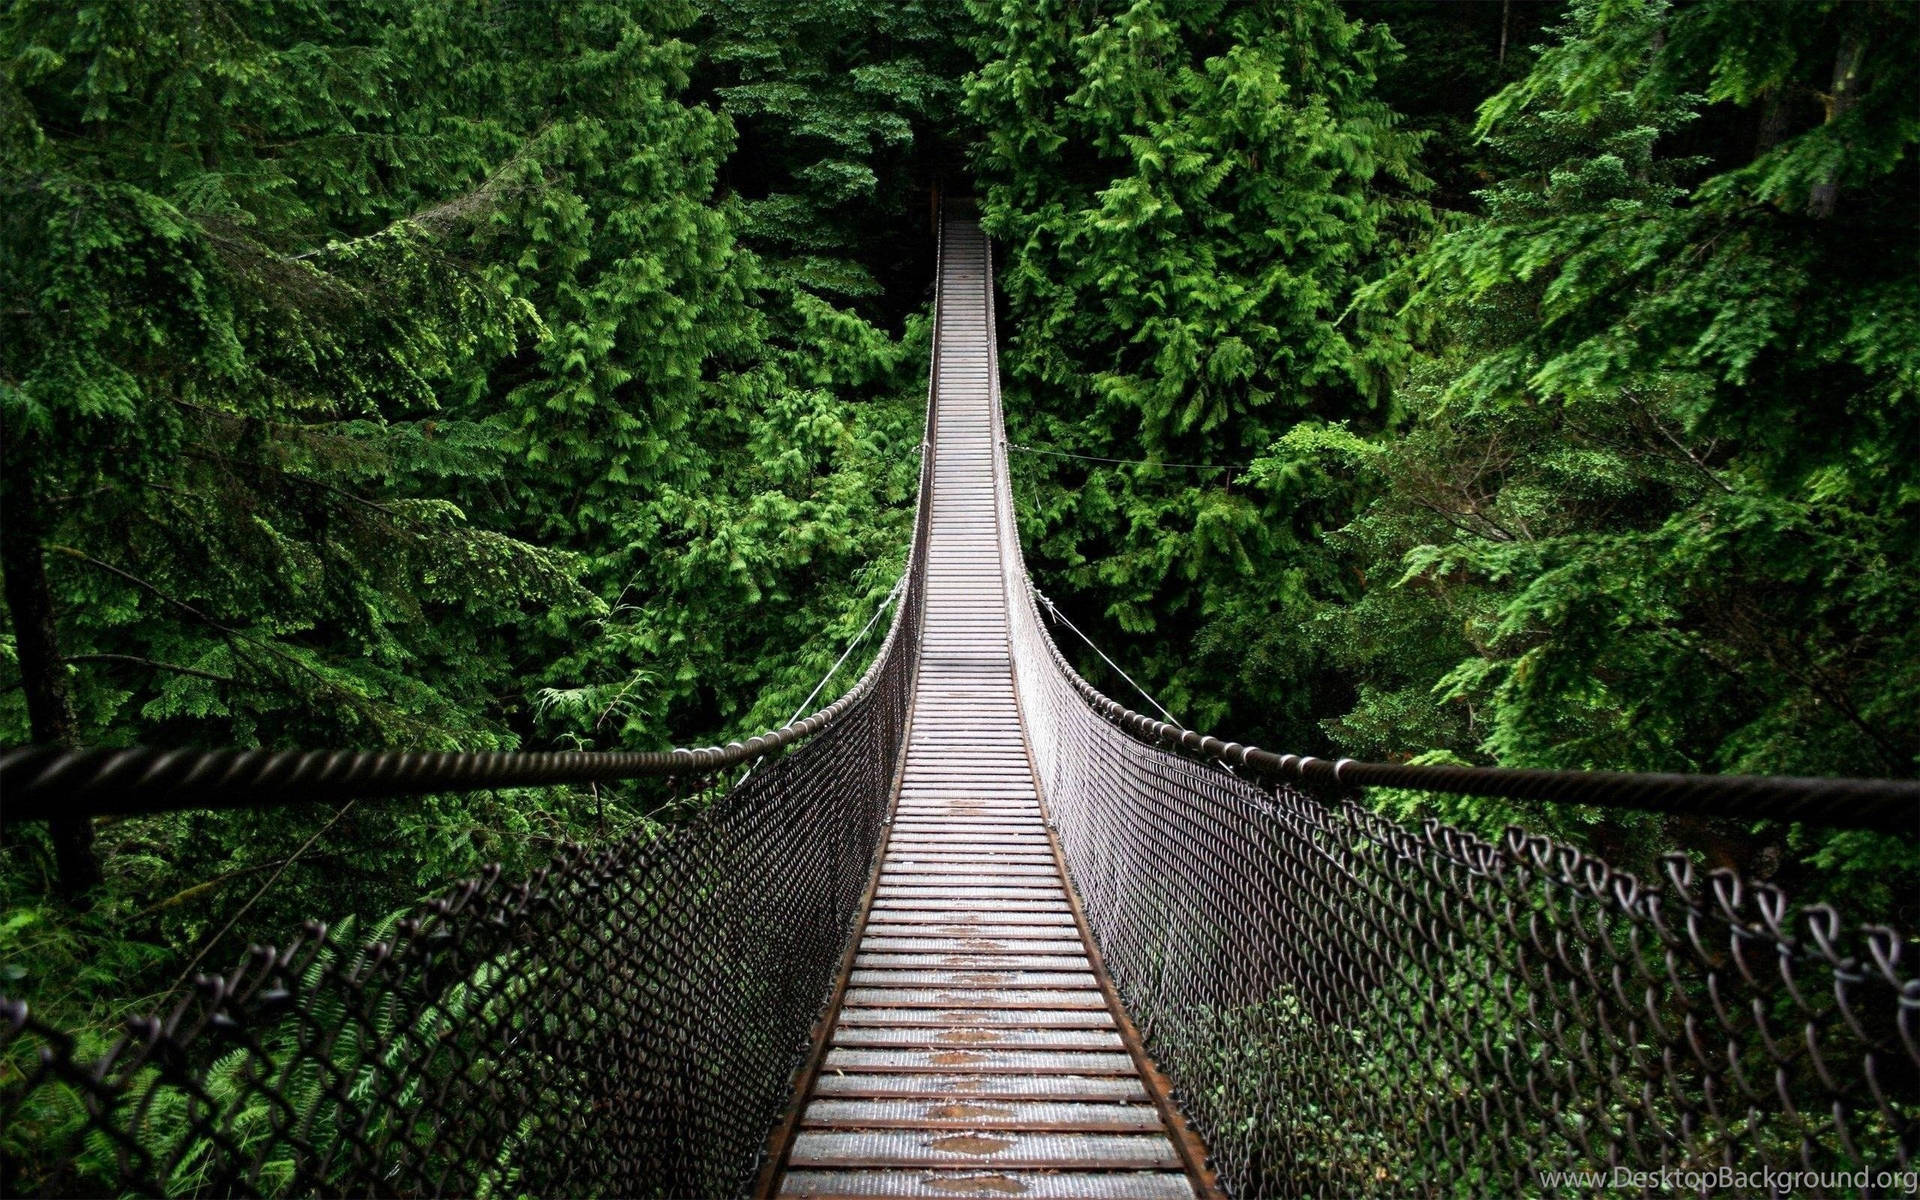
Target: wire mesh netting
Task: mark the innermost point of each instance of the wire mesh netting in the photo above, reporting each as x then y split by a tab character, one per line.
626	1022
1347	1006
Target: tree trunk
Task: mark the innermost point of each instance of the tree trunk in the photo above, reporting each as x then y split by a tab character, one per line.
1772	127
43	679
1845	93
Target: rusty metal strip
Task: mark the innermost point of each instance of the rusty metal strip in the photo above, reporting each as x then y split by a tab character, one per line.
1191	1150
970	1018
1000	1029
1000	971
780	1142
900	1148
981	1062
1063	1087
996	1184
1034	1115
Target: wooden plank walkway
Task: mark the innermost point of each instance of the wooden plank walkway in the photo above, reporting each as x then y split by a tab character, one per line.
976	1050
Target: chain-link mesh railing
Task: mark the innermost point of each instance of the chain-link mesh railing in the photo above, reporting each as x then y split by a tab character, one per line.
1347	1006
624	1023
628	1022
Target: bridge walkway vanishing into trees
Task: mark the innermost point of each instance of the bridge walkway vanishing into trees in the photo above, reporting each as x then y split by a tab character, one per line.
973	1032
975	928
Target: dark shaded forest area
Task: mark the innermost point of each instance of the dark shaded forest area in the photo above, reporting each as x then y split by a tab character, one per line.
420	374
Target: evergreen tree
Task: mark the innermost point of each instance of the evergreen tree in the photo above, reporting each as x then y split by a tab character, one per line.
846	110
1188	196
393	376
1657	507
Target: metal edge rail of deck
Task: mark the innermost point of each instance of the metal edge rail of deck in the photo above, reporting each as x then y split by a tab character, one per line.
976	1048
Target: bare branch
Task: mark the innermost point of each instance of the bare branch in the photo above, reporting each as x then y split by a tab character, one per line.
148	662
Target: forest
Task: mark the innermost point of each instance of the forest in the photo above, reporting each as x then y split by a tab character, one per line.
1531	384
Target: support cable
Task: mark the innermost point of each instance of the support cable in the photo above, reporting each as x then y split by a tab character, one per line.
1061	618
858	638
1131	462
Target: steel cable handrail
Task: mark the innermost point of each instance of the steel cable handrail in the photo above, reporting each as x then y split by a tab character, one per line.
43	782
1885	805
625	1021
1350	1006
40	782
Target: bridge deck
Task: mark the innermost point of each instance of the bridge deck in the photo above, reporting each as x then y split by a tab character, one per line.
976	1051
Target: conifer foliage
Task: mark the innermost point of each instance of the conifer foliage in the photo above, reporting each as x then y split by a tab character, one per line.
1522	384
1599	453
1190	196
1652	502
394	374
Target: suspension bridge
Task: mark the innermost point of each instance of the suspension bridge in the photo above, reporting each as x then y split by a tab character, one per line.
975	929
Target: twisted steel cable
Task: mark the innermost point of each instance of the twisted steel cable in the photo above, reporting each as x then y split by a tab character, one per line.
625	1021
39	782
1885	805
1348	1006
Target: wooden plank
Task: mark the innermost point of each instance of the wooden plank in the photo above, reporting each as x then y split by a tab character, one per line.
974	1030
